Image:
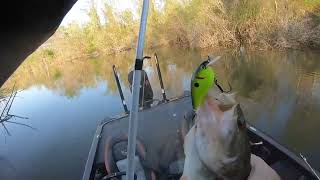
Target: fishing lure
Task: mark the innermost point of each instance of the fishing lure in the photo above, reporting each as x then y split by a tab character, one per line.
202	80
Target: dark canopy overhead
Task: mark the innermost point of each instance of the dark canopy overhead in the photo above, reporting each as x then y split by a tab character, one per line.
25	25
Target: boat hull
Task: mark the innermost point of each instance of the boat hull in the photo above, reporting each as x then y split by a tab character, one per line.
162	131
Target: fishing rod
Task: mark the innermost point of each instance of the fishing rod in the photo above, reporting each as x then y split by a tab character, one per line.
133	118
120	89
164	97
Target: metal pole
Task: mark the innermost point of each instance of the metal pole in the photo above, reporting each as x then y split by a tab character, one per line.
160	78
133	119
120	89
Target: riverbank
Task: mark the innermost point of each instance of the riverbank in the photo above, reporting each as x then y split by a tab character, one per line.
195	24
191	24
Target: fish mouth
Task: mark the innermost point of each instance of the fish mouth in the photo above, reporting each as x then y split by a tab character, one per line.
217	105
220	103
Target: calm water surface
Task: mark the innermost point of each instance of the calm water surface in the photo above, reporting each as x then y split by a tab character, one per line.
65	100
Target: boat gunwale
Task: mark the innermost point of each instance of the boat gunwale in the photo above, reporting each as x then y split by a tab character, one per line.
292	156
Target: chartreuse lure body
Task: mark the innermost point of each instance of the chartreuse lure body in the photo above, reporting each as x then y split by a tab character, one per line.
202	80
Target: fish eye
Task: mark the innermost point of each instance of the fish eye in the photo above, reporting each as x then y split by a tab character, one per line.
196	84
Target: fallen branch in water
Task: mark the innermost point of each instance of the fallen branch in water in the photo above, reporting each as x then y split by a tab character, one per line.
6	117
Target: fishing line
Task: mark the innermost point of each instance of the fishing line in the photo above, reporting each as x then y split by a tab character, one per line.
220	88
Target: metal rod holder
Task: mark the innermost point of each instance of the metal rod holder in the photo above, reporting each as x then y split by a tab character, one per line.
125	107
164	97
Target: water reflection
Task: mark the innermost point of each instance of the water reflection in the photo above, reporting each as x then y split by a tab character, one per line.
66	99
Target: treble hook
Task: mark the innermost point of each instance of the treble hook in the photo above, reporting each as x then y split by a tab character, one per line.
220	88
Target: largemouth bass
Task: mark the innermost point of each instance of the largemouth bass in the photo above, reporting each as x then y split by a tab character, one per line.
217	146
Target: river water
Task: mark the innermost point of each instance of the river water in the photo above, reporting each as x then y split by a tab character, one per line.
64	101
